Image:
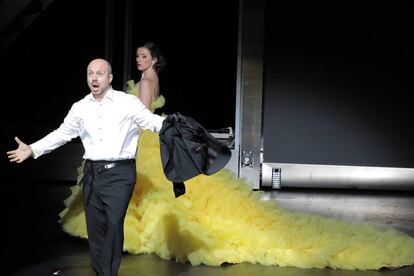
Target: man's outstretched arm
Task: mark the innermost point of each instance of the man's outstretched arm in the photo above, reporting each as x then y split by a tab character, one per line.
20	154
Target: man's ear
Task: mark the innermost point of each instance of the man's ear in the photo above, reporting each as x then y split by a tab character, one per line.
110	78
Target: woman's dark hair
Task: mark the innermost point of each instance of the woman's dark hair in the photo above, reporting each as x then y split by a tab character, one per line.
155	52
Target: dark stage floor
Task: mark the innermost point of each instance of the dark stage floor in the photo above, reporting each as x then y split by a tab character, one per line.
35	245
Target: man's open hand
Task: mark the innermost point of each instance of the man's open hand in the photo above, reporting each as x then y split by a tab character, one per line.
20	154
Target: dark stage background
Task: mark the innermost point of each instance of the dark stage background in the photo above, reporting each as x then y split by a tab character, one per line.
43	70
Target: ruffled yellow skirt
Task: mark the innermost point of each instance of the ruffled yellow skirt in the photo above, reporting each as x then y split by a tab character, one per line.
220	219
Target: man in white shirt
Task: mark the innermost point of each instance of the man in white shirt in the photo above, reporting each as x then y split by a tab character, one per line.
108	123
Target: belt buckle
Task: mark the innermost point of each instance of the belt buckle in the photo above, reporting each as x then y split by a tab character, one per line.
106	167
110	165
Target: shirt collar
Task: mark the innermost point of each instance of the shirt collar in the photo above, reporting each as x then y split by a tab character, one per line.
108	96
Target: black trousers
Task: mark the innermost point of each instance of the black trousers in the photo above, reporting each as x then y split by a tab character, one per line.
106	195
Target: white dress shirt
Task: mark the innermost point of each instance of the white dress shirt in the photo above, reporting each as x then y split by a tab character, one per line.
109	129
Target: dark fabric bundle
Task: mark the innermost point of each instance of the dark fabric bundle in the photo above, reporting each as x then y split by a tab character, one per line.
187	150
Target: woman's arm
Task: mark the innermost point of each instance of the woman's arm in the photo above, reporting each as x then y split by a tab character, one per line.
146	92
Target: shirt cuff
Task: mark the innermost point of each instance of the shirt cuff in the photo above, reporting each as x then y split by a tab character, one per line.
34	154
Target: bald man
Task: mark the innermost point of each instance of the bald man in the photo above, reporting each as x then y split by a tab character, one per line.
108	122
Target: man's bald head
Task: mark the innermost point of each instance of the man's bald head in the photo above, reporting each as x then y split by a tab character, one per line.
102	62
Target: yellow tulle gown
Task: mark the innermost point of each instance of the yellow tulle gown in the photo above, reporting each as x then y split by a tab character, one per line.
221	220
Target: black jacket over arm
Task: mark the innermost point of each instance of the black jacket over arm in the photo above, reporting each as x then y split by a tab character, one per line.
187	150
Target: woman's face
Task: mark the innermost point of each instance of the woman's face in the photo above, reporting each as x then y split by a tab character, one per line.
144	59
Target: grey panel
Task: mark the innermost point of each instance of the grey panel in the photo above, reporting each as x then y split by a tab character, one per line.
337	91
277	175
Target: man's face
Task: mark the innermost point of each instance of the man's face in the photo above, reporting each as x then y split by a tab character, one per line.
99	79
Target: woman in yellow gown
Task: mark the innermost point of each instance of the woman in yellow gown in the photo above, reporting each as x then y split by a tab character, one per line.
221	220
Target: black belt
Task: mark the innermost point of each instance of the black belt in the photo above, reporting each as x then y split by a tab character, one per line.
110	164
